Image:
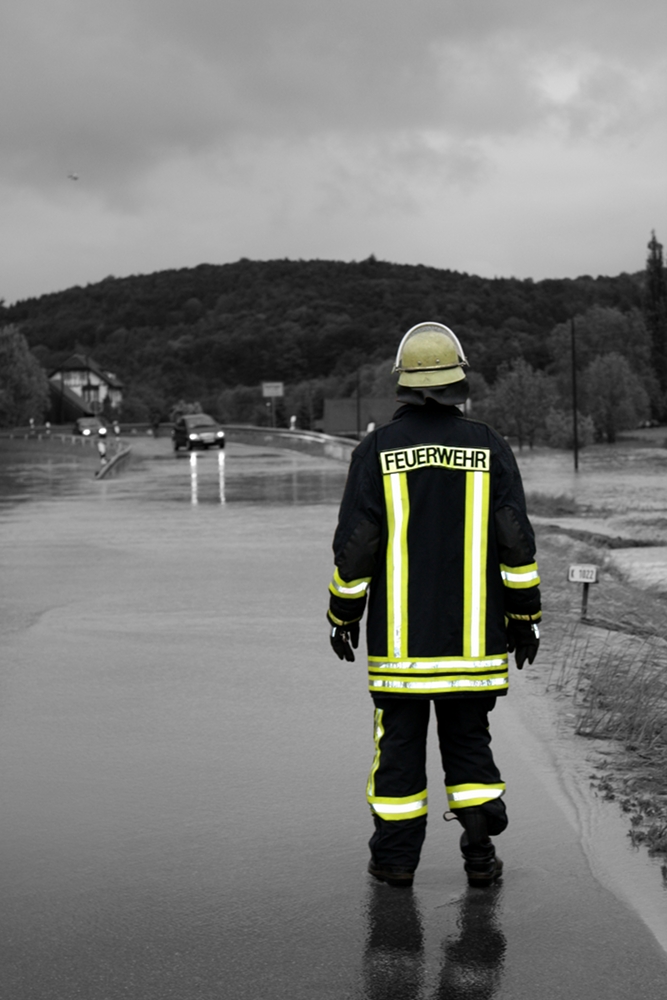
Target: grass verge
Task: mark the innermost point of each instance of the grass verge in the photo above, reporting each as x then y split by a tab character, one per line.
543	505
613	681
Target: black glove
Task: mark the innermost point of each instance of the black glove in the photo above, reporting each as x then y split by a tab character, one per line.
341	636
525	638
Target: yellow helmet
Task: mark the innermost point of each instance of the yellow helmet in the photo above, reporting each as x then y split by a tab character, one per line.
430	354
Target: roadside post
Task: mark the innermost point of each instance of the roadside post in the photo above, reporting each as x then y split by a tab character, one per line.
102	445
575	432
585	573
273	391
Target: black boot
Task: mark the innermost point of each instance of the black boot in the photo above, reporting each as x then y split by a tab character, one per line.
479	855
400	878
481	864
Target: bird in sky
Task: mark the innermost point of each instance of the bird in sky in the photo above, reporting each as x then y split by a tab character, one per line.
73	177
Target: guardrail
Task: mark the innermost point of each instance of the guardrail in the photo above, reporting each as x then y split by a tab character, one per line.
21	435
115	464
310	442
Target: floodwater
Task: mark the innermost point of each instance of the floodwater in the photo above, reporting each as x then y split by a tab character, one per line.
183	762
622	492
621	479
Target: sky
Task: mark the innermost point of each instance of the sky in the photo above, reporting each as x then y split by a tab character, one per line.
498	137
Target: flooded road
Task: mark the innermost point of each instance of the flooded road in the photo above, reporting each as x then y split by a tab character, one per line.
183	763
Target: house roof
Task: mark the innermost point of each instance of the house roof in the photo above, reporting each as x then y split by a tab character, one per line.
65	404
81	362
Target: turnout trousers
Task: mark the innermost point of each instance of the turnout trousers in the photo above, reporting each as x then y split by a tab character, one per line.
397	788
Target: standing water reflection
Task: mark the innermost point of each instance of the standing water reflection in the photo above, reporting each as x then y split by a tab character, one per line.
471	955
194	476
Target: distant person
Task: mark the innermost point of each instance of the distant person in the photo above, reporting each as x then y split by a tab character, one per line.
292	422
433	530
116	429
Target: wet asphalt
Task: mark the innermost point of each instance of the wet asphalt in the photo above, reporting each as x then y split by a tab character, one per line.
183	762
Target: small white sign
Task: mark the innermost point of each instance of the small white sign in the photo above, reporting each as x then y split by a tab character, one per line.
274	389
586	573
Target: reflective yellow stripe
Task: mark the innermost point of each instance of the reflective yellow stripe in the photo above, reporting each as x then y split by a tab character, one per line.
348	588
477	683
439	664
519	577
524	618
405	807
474	567
397	503
378	733
460	796
483	485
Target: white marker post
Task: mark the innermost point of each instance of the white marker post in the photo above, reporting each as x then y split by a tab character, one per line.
586	574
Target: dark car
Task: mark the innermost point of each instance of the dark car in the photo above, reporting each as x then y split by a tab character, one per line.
88	426
197	430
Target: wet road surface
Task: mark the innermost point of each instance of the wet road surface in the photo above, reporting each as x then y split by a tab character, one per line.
183	762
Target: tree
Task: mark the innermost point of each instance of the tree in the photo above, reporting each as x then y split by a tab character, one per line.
24	388
243	404
143	405
613	396
655	313
518	401
603	330
559	429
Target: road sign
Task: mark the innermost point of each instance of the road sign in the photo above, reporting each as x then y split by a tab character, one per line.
583	573
271	390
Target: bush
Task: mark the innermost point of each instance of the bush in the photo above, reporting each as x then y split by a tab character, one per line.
182	407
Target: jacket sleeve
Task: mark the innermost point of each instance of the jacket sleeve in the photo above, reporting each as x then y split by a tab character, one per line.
516	542
357	536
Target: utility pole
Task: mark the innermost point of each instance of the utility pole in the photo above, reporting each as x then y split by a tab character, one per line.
575	428
655	314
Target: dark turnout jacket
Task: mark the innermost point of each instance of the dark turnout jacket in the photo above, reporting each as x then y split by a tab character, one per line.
433	531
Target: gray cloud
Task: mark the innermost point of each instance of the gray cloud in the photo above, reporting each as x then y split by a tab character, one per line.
109	87
305	126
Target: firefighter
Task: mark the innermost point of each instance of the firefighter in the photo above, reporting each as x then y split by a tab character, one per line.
433	533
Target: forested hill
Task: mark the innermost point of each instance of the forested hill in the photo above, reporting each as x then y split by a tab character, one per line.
195	331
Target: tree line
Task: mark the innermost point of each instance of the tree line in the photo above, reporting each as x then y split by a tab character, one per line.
211	334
